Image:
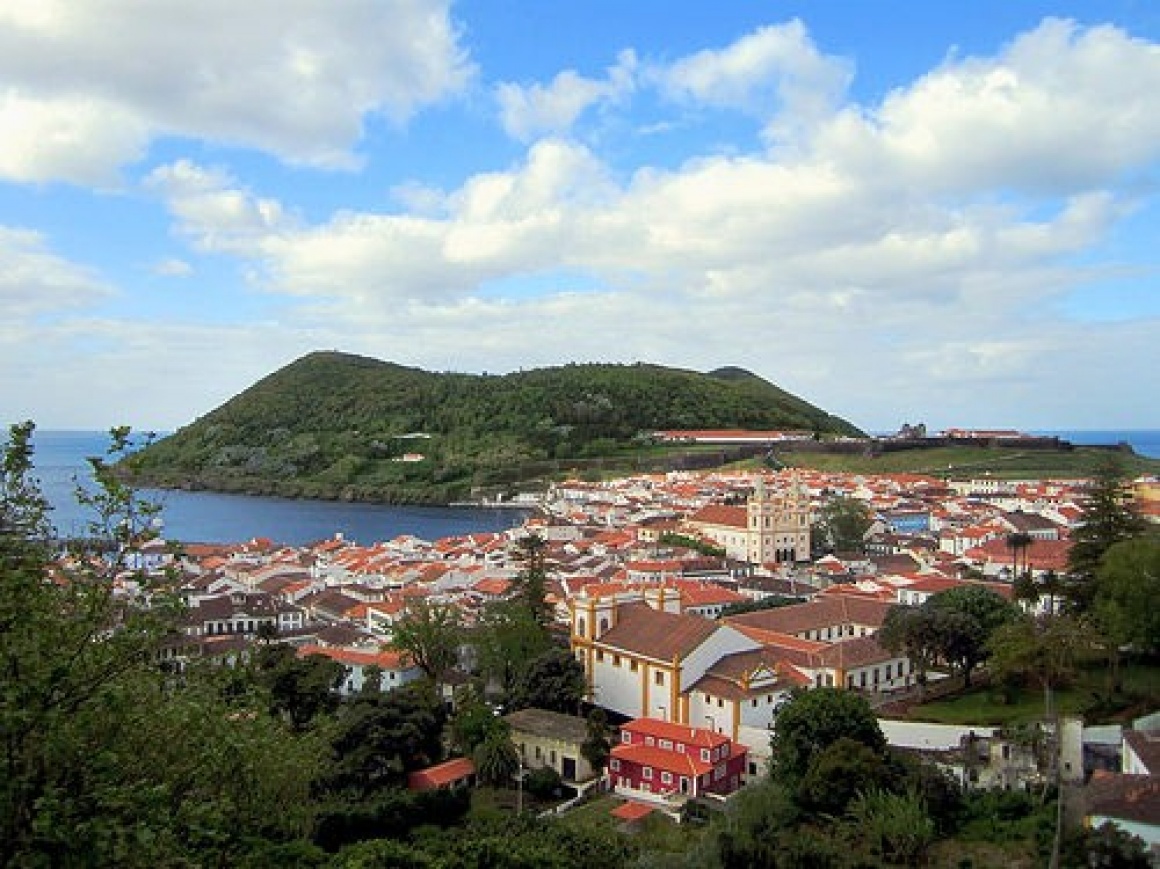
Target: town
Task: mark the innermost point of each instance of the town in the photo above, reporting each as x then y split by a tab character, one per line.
695	606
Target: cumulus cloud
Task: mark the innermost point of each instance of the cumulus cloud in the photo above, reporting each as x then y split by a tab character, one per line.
1054	112
34	280
296	78
776	74
531	111
899	253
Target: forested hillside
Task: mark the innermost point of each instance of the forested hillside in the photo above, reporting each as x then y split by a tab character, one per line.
337	425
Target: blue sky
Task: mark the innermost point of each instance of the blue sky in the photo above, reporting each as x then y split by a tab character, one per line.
941	212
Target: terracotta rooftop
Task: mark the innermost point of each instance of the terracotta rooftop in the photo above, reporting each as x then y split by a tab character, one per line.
655	634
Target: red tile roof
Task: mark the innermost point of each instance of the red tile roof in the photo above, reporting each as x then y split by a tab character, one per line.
441	775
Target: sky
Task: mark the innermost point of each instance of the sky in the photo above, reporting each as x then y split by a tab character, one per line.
944	212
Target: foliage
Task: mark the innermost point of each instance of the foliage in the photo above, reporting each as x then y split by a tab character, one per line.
334	425
597	745
696	544
301	689
1108	518
531	581
1127	590
432	634
1105	847
109	757
507	638
543	783
472	721
811	721
1044	650
950	628
496	759
838	773
553	680
895	826
842	524
380	738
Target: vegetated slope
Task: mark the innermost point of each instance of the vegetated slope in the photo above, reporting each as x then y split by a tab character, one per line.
337	425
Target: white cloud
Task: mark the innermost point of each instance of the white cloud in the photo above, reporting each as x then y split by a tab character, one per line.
775	73
900	256
531	111
296	78
1057	110
172	267
34	280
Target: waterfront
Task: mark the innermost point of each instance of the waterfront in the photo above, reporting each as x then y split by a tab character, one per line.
214	517
60	460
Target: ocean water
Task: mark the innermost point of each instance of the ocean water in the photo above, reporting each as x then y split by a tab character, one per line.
1146	442
61	465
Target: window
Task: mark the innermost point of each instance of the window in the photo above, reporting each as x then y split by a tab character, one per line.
705	755
614	765
862	679
616	660
659	677
599	655
667	744
648	740
626	737
647	773
666	778
632	665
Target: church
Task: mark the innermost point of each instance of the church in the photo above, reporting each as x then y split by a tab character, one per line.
772	528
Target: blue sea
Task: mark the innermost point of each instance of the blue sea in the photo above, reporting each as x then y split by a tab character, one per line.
1146	442
209	517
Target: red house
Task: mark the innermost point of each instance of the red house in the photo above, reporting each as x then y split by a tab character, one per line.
663	758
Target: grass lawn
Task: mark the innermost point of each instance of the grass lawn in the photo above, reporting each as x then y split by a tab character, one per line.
655	833
987	705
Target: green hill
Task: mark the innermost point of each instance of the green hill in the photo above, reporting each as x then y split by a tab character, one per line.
333	425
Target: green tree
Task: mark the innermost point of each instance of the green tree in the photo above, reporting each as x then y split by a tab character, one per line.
432	634
300	689
838	773
109	757
496	759
553	680
811	721
531	582
895	826
842	524
1108	518
506	640
970	614
914	632
1106	847
379	739
597	745
1043	650
1127	592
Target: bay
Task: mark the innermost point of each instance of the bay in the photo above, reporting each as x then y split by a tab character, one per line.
60	460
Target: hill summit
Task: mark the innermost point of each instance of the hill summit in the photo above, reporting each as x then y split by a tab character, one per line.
336	425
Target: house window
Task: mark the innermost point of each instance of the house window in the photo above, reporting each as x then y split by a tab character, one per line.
666	778
599	655
614	765
626	737
581	627
862	679
667	744
632	665
616	660
705	755
648	740
647	773
659	677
